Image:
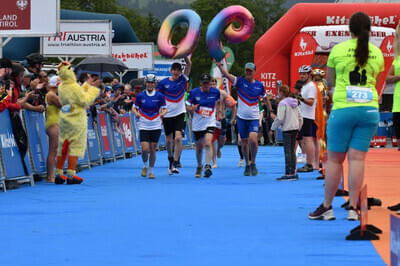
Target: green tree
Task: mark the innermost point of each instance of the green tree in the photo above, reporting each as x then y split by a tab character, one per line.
265	13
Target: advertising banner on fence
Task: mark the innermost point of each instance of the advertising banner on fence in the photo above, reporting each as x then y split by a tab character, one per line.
79	38
128	133
136	56
29	17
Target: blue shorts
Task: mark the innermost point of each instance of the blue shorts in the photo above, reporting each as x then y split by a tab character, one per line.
247	126
351	127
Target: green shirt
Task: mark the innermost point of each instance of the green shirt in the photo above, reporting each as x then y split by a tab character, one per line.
396	95
342	59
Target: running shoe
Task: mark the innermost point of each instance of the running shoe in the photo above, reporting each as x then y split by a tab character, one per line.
169	171
321	177
352	214
144	171
207	172
74	180
322	213
175	169
60	179
253	169
241	162
306	168
394	207
247	171
288	178
219	154
198	171
151	175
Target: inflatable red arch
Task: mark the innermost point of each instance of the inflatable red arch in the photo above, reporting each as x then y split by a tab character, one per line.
272	50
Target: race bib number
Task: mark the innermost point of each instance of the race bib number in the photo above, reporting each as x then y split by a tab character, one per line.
218	124
358	94
205	111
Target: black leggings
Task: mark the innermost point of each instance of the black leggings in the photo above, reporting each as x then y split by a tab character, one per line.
289	145
396	125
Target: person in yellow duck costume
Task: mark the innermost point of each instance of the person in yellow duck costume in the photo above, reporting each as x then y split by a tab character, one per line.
73	121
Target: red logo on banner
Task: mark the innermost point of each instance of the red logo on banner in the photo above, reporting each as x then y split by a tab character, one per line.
103	129
303	51
15	15
128	136
387	49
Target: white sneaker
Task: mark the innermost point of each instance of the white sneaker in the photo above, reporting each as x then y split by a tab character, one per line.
169	171
352	215
241	162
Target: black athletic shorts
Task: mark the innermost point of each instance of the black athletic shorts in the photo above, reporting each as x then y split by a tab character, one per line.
150	135
200	134
173	124
309	129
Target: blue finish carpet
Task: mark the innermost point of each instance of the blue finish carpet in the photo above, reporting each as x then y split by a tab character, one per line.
117	217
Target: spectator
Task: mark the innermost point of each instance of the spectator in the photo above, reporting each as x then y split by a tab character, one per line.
83	77
353	68
114	81
52	128
307	106
5	68
108	107
35	64
6	90
289	117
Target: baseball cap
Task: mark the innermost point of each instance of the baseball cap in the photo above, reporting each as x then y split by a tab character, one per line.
108	88
205	77
54	81
250	65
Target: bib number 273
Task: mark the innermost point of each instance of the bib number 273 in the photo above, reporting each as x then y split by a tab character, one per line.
358	94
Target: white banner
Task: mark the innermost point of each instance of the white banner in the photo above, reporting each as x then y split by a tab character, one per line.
23	18
136	56
328	36
79	38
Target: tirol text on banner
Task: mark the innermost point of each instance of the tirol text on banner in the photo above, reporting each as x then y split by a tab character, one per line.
303	51
136	56
15	15
387	48
79	38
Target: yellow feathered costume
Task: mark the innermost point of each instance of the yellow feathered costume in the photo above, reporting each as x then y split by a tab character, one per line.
73	120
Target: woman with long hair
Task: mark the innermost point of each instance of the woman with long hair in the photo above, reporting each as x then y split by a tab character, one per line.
353	68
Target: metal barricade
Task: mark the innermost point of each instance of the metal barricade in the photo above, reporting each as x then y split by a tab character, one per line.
12	163
38	141
106	143
129	135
